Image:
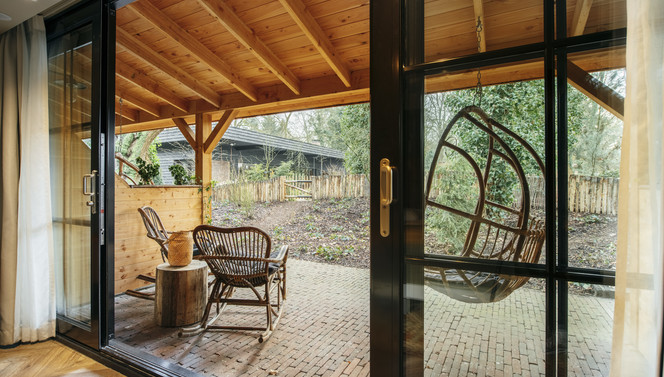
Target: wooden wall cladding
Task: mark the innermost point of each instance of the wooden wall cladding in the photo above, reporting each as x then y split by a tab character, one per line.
180	208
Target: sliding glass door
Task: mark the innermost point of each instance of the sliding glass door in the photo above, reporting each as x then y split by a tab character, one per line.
493	186
78	166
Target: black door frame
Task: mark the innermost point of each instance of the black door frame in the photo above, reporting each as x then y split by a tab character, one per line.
95	13
397	76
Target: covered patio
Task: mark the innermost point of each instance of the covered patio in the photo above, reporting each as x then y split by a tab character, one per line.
325	332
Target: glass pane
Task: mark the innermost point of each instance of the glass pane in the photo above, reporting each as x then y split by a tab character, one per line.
503	337
484	165
451	27
594	141
587	17
70	82
590	329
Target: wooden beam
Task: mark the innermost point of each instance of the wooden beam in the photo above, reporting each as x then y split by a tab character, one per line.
151	13
225	15
152	57
317	36
186	131
125	112
581	12
478	7
219	130
319	92
144	81
596	90
148	107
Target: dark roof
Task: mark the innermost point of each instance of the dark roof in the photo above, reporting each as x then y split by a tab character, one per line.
241	137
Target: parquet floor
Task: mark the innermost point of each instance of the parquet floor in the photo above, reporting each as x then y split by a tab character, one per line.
49	359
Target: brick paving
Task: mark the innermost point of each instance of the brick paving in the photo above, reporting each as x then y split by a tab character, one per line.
324	331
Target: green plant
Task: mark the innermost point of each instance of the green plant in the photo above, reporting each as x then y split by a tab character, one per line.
310	227
333	252
591	219
146	171
180	175
206	190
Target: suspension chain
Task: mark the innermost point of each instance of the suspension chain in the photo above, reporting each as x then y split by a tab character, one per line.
477	99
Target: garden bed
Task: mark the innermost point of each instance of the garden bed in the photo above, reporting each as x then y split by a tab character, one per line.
337	231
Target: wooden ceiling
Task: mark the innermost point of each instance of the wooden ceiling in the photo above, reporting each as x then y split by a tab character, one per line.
176	58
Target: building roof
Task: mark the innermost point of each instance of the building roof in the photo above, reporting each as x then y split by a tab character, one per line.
242	138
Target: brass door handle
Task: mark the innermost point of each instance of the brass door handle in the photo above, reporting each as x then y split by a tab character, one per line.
385	196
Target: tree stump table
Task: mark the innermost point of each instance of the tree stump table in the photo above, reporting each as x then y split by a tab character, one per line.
180	294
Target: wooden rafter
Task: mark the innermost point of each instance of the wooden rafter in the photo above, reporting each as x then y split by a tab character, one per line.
186	131
596	90
316	35
319	92
127	114
219	130
478	7
156	17
581	13
144	81
225	15
139	102
152	57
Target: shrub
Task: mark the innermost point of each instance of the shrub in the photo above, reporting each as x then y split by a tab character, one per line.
180	175
146	171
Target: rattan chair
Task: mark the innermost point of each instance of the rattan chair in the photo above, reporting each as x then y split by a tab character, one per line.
242	258
516	236
157	232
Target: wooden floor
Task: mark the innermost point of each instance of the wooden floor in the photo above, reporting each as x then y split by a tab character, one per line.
48	359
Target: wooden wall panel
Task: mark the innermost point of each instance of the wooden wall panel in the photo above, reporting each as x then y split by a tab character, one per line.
179	208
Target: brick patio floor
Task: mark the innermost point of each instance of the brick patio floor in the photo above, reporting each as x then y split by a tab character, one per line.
324	331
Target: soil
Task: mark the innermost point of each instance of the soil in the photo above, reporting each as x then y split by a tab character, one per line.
337	231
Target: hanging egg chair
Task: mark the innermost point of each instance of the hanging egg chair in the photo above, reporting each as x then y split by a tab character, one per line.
515	235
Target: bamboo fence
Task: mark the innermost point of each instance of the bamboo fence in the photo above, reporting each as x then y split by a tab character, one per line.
598	195
280	189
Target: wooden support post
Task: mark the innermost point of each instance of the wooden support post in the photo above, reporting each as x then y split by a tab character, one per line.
204	162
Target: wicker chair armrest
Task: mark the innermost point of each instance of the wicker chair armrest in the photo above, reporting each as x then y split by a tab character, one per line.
233	258
280	257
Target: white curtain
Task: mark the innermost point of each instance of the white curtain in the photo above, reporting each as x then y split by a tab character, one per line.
637	337
31	315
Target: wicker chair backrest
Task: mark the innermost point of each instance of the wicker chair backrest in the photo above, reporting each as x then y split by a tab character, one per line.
239	254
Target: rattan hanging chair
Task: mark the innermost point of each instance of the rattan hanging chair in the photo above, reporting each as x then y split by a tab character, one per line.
515	236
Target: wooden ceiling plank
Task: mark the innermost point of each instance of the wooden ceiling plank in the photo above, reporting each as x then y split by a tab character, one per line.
225	15
478	7
219	130
152	57
317	36
152	14
581	13
144	81
187	132
596	90
319	92
150	108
